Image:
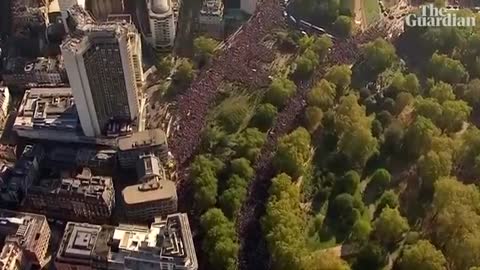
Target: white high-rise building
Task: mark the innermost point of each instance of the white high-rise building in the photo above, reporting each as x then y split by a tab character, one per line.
162	23
248	6
103	62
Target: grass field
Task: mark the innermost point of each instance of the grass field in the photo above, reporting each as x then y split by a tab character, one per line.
372	10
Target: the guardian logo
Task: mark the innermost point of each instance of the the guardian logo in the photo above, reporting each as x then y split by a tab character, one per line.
431	16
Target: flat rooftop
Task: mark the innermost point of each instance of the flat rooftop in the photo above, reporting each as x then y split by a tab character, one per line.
212	8
52	108
142	139
171	236
82	241
155	190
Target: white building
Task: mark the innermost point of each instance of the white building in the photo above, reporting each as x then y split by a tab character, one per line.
4	99
103	62
248	6
162	23
166	245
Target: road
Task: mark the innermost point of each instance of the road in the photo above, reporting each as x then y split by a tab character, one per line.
360	17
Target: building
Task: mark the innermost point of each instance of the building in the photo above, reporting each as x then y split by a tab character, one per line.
84	247
47	71
98	160
103	62
47	113
23	72
211	18
14	187
11	257
64	5
25	238
83	197
162	23
102	8
154	196
130	148
248	6
4	100
166	245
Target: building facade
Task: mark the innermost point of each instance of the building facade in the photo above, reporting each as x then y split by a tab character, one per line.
27	237
162	23
4	100
103	62
22	72
154	196
83	197
66	4
165	245
102	8
130	148
211	18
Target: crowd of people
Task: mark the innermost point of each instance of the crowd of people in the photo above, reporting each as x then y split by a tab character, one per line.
242	61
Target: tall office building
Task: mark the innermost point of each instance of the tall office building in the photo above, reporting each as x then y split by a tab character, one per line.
102	8
162	23
103	62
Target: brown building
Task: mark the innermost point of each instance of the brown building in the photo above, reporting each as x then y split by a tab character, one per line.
130	148
84	247
25	238
154	196
83	197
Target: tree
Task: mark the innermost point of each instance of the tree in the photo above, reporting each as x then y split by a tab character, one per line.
184	74
358	145
292	153
204	48
390	226
442	92
405	83
164	65
233	197
348	183
380	180
279	91
343	26
283	225
264	116
340	75
248	143
378	56
342	213
472	93
306	63
456	224
432	166
232	113
313	118
418	138
444	68
455	113
429	108
403	100
242	168
372	257
350	113
361	230
389	198
321	46
323	260
219	242
204	173
322	95
422	255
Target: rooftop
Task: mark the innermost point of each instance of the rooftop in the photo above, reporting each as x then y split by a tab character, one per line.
154	190
212	7
82	26
166	240
83	184
160	6
142	139
51	108
148	167
21	228
83	241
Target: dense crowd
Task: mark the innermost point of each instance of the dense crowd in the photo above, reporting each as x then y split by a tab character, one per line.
240	61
